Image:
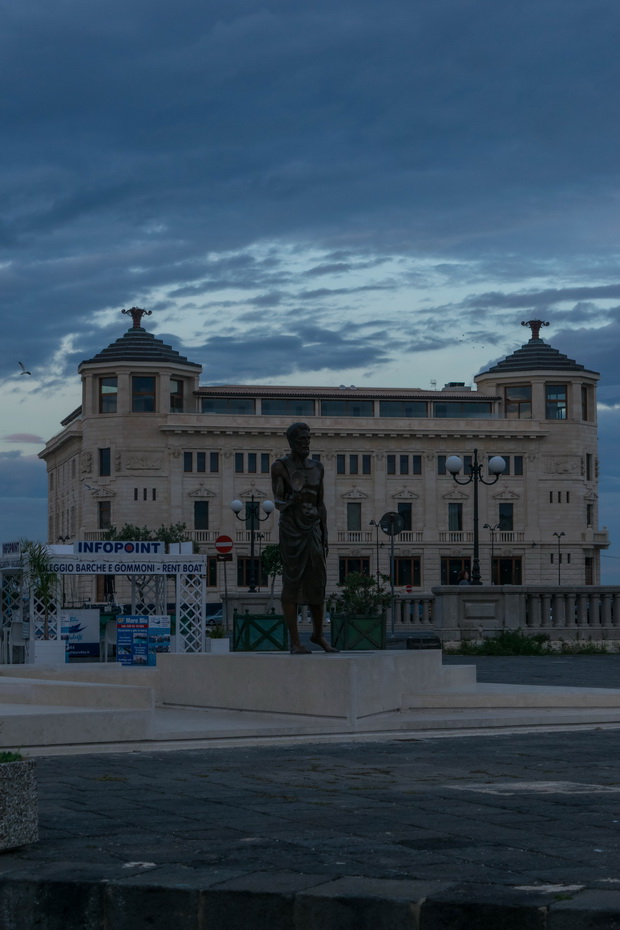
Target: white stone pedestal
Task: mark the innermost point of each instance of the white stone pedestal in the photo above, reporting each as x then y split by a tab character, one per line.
49	651
343	685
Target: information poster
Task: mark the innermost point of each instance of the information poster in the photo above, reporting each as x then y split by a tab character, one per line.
80	631
132	635
159	637
139	639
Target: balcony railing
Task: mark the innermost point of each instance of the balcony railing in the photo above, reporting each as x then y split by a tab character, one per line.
456	536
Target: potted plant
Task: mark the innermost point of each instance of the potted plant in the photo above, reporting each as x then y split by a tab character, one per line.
358	612
219	639
19	806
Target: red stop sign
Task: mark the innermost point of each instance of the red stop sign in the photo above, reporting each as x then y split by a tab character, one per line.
223	544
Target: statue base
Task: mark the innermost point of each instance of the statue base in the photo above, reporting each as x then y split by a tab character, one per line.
347	686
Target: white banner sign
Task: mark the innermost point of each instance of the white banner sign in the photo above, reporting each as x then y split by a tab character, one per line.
126	566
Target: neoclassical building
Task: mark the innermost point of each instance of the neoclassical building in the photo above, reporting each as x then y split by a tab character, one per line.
149	445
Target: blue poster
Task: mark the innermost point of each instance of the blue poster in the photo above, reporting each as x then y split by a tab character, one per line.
132	633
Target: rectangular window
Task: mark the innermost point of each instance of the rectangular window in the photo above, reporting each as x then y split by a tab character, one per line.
144	493
589	515
404	509
451	569
176	395
507	571
463	410
108	394
287	407
201	461
589	471
211	571
340	464
347	408
264	463
556	406
214	461
227	405
315	457
506	517
518	464
104	515
407	571
455	517
143	394
248	570
366	460
410	409
585	405
252	463
135	494
416	461
354	516
188	461
441	465
104	462
404	464
353	464
346	566
391	464
153	494
239	462
518	401
201	515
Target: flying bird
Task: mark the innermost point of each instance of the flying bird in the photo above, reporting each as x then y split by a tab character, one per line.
89	487
23	369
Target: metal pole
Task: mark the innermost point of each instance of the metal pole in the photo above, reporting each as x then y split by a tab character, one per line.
252	516
392	580
475	572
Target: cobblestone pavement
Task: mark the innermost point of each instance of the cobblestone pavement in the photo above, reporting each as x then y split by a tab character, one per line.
524	813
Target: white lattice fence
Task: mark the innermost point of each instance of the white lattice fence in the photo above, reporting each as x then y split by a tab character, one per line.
190	610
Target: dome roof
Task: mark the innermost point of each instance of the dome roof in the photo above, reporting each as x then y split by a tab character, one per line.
138	345
536	355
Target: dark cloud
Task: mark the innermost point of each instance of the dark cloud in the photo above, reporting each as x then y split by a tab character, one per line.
22	475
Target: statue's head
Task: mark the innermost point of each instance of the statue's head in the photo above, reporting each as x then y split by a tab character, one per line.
298	435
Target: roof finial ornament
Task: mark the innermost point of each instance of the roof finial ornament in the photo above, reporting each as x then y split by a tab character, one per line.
535	327
136	315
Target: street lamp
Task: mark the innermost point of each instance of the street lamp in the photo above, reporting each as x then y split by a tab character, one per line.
252	518
376	526
559	535
492	530
496	467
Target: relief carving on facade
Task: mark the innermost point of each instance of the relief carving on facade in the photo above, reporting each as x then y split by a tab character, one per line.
405	494
201	491
86	463
561	464
143	461
117	461
355	494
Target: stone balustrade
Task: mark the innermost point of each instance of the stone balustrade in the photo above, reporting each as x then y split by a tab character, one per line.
562	612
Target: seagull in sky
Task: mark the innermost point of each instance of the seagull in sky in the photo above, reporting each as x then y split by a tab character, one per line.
23	371
89	487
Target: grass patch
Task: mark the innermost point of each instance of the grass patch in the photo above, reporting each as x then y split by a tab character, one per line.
11	757
517	643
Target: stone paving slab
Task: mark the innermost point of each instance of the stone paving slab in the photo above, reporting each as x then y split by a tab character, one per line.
519	830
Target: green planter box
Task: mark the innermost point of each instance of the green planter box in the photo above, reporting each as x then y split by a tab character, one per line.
259	633
358	632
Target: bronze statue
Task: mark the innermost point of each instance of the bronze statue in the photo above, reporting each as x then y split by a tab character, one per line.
298	494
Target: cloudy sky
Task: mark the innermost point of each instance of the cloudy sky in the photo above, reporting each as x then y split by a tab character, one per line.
373	192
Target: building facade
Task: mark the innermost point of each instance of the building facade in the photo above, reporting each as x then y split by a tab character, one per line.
150	446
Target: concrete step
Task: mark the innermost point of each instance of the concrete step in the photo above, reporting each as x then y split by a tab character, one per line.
512	696
27	726
75	693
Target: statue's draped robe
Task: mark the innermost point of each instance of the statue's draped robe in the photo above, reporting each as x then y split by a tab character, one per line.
301	542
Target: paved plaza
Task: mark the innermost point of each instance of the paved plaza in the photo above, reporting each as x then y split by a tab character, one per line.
515	829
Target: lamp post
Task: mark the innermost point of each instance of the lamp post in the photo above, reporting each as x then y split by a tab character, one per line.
376	526
252	518
496	466
492	530
559	536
